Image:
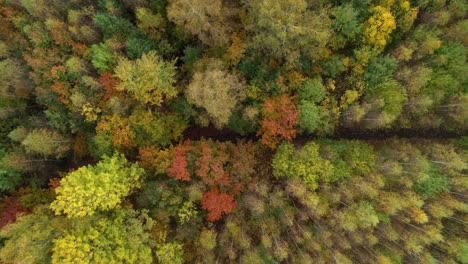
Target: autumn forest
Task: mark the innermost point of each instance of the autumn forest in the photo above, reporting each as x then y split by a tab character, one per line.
234	131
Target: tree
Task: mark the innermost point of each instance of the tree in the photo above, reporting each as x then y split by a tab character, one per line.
309	117
170	253
122	237
312	90
345	23
210	20
305	164
178	169
217	204
378	27
149	79
46	142
288	29
11	208
30	238
99	187
279	119
215	90
102	58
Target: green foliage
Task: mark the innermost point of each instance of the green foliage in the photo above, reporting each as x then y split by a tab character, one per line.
99	187
46	142
432	184
309	117
121	237
111	25
312	90
138	45
346	21
30	238
170	253
305	164
379	70
149	79
102	58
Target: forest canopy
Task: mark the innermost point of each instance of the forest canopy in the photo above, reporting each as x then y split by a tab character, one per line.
217	131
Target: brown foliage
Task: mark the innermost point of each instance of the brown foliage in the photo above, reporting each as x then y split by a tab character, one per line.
279	119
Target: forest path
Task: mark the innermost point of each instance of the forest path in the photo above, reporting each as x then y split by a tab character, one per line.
210	132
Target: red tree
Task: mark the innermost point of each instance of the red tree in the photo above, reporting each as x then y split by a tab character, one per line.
217	204
210	163
178	169
279	119
10	207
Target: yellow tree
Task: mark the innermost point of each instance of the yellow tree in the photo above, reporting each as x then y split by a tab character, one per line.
99	187
378	27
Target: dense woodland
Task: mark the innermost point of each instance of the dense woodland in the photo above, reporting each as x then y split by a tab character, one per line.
104	105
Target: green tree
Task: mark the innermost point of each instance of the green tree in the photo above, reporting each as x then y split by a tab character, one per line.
121	237
170	253
346	24
99	187
309	117
305	164
46	142
30	238
149	79
102	58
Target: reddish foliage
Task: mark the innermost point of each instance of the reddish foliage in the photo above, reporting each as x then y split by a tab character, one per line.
54	183
59	34
80	49
242	164
178	169
210	164
217	204
108	82
280	118
10	207
61	88
147	155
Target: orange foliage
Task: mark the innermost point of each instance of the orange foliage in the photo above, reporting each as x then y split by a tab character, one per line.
279	119
210	164
80	49
61	88
178	169
108	82
119	129
60	34
217	204
236	50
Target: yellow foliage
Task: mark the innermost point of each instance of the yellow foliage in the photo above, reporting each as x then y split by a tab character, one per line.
119	129
378	27
349	97
419	216
90	112
99	187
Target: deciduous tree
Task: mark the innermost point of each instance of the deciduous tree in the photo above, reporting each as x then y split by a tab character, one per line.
99	187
